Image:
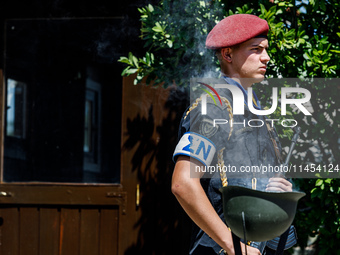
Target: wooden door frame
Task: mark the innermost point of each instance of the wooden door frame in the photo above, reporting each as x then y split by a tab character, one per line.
2	116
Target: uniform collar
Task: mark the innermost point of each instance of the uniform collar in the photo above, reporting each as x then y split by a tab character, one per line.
256	102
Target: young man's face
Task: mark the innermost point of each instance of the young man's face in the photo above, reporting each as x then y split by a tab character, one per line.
249	59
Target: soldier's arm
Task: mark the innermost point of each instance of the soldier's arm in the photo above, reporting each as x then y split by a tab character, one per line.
191	196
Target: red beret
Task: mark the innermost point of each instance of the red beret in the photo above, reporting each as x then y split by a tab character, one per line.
236	29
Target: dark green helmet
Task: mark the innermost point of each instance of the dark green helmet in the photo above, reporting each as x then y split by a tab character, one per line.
267	214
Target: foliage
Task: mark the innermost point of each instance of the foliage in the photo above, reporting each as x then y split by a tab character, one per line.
175	32
304	43
320	215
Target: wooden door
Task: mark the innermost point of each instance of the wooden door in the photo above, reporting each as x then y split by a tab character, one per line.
49	218
61	189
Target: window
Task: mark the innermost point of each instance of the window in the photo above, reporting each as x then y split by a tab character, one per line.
16	101
92	127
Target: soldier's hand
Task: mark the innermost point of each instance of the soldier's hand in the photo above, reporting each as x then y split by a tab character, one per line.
279	184
250	250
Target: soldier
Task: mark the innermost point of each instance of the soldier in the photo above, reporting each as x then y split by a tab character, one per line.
241	47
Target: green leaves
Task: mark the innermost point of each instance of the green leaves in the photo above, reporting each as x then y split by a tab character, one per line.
323	216
158	28
174	33
137	66
319	57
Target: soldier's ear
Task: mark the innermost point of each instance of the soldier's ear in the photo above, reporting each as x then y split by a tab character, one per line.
226	54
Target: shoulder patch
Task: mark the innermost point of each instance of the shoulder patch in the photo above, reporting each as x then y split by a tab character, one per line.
207	128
